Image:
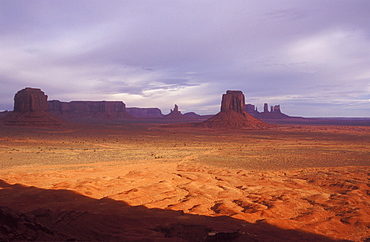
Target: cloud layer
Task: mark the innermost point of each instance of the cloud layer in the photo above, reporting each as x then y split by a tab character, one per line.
312	57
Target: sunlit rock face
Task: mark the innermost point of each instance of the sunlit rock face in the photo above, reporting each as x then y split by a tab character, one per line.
233	114
233	100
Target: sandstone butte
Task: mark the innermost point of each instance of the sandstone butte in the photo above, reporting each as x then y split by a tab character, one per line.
233	114
274	113
31	108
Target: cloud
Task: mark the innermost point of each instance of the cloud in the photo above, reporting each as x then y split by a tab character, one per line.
190	52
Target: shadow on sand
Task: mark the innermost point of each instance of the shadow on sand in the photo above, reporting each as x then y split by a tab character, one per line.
31	213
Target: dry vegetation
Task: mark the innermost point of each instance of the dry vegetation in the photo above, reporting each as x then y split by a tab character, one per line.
285	183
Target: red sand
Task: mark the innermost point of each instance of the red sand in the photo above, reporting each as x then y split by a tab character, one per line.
143	183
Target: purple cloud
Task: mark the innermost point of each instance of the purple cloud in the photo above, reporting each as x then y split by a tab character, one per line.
305	55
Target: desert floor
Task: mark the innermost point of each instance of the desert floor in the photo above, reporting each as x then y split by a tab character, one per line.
154	182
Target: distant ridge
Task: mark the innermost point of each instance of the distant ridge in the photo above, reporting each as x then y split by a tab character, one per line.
273	113
101	110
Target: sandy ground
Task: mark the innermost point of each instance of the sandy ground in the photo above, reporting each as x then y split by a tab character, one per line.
142	182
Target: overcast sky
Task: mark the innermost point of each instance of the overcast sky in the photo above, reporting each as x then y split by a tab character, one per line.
312	57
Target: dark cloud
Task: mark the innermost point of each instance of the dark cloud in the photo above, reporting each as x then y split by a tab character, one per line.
305	55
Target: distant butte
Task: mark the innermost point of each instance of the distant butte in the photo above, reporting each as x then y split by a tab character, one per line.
274	113
104	110
175	113
30	108
233	114
145	112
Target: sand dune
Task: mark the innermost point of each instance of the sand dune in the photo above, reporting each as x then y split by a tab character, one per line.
149	183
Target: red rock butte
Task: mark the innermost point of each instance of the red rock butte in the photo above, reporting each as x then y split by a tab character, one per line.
30	99
31	108
105	110
233	114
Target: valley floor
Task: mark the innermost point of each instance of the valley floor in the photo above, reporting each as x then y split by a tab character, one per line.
145	182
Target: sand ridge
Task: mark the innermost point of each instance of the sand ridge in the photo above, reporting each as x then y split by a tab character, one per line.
186	185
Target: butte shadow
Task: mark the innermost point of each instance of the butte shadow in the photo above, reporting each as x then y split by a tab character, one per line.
31	213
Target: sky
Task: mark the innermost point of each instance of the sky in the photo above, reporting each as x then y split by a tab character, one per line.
310	56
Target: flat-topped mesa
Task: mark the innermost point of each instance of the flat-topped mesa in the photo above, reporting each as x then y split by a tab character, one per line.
30	108
233	100
145	112
30	99
233	114
94	106
89	109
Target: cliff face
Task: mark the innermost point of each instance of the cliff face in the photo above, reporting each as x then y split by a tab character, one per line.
233	114
30	99
89	109
145	112
30	108
87	106
233	100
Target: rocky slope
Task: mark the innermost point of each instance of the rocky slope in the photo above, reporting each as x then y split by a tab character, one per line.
233	114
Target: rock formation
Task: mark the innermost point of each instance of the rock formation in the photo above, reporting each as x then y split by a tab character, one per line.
275	109
89	109
274	113
192	115
251	109
30	108
233	114
145	112
175	113
30	99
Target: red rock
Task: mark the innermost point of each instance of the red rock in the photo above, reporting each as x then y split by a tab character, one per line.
274	113
233	114
251	109
30	108
145	112
89	109
233	100
175	113
30	99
